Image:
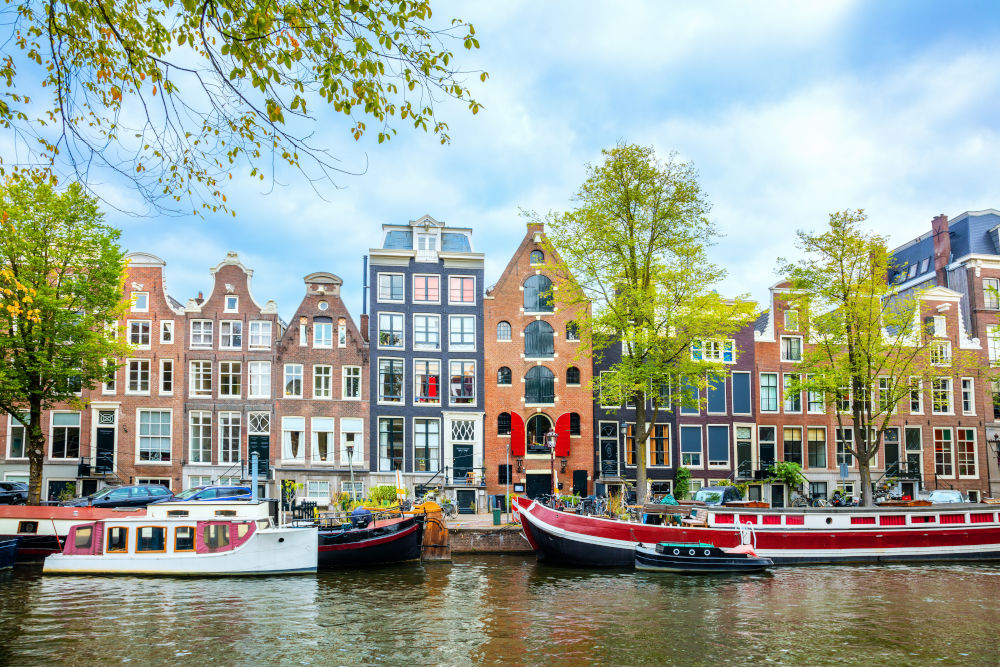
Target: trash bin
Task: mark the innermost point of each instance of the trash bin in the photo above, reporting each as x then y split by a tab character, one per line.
496	517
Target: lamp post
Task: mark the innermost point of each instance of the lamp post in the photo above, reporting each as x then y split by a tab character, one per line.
550	442
350	463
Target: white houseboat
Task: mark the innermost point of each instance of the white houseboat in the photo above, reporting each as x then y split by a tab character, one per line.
189	539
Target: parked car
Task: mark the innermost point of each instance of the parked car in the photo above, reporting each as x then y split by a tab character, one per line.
13	493
211	493
717	495
946	496
139	495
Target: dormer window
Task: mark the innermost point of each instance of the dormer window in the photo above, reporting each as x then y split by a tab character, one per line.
924	265
140	302
427	242
232	303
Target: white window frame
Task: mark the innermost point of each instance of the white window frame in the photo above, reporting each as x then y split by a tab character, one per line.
163	373
262	326
461	347
149	334
318	425
701	440
991	294
231	299
207	330
441	383
760	393
975	452
234	419
251	375
200	414
951	396
993	343
110	388
935	349
785	398
378	287
327	373
462	303
239	376
427	346
475	381
232	325
289	373
302	439
354	425
940	326
128	377
196	379
790	315
134	298
324	343
968	386
414	288
52	434
781	348
139	436
390	315
729	446
344	377
402	385
167	327
341	333
920	395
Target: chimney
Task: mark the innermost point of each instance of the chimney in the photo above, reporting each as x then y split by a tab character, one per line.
942	248
536	226
201	298
364	327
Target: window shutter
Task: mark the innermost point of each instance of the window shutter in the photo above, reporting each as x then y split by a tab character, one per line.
562	431
516	435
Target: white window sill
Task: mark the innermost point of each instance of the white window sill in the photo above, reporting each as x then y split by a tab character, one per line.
155	463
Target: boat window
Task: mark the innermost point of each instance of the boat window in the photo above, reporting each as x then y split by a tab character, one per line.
242	530
225	512
27	527
184	538
178	513
151	538
117	539
216	536
83	537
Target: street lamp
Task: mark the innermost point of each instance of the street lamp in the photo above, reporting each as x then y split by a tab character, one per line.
550	442
995	441
350	463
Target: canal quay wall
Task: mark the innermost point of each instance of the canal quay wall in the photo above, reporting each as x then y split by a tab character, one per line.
466	539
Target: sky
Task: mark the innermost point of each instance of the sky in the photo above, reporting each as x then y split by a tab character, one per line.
789	111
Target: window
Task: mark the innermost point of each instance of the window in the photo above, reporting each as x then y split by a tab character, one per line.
427	332
390	287
201	379
791	348
390	380
140	302
318	489
817	448
503	423
768	449
260	379
166	377
230	335
791	320
769	392
427	242
504	473
503	331
462	333
943	453
117	539
154	435
844	400
815	400
792	442
323	332
883	395
229	437
573	376
574	423
793	398
659	445
572	332
504	376
150	538
303	332
390	444
201	333
916	396
941	396
200	433
390	330
166	331
630	454
323	381
991	293
138	376
351	443
351	376
940	353
427	381
184	538
925	264
939	326
538	294
427	289
341	333
845	438
230	379
539	339
426	444
539	386
323	440
292	438
691	446
713	349
968	396
138	333
65	435
461	289
965	452
604	397
536	257
260	334
293	380
993	343
17	440
462	383
995	396
110	384
232	303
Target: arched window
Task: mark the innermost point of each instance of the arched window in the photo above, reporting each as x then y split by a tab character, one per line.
503	375
572	332
503	330
534	432
503	423
537	257
572	375
574	423
538	339
539	385
538	294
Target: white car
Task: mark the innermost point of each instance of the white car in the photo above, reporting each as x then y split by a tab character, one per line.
946	496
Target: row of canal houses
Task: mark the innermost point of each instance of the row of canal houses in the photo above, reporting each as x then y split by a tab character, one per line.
445	382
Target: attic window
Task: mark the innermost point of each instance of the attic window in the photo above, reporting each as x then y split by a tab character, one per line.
232	303
912	272
924	265
323	305
537	257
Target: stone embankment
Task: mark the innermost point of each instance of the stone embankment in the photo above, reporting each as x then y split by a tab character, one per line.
476	534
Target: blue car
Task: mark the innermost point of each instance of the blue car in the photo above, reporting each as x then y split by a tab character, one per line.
213	493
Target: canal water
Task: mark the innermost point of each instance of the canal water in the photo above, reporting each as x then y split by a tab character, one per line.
509	610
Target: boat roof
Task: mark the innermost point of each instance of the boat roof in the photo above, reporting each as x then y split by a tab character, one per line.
696	545
206	510
47	513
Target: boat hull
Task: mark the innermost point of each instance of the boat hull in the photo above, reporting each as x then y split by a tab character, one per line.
8	551
569	539
51	526
395	541
694	561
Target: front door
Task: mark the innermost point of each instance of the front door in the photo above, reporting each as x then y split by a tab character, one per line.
537	485
744	459
466	499
462	457
609	449
777	495
261	445
104	459
580	482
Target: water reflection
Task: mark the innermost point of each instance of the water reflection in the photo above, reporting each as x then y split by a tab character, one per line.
507	610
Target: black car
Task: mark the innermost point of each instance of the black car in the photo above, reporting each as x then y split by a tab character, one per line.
139	495
13	493
210	493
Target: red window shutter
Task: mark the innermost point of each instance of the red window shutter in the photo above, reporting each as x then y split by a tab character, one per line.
516	435
562	431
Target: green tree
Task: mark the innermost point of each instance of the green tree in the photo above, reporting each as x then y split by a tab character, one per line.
61	284
176	95
869	348
635	246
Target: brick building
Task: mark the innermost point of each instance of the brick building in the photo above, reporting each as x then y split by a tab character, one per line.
534	381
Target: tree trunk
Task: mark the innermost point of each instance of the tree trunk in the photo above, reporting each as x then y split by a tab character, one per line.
36	452
640	448
864	467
